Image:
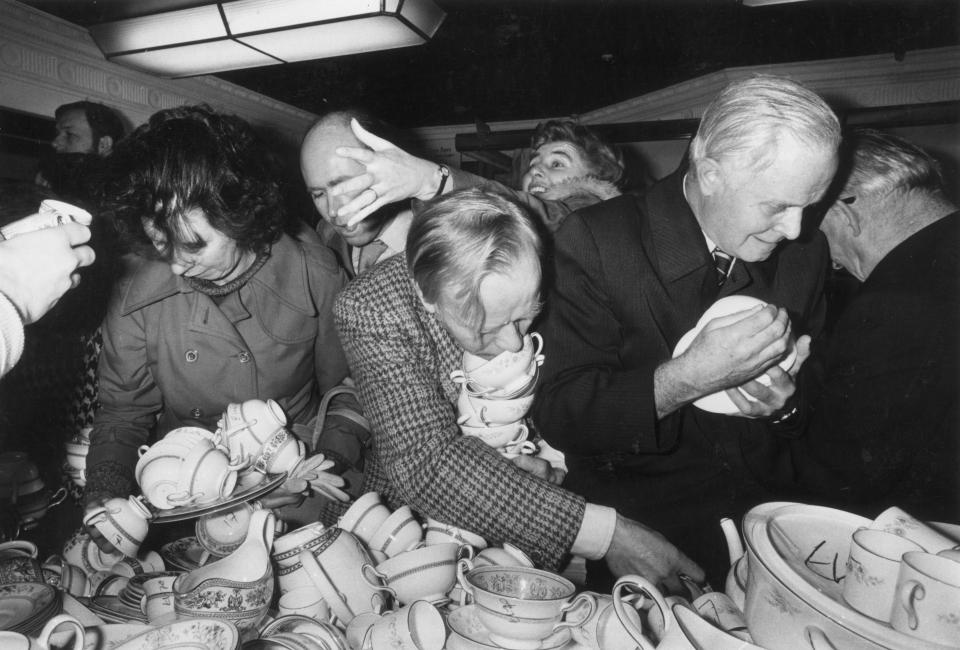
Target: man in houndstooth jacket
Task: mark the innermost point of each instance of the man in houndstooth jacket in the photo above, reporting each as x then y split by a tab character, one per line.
470	281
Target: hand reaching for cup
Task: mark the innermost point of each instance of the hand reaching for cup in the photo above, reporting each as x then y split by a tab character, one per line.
641	550
391	175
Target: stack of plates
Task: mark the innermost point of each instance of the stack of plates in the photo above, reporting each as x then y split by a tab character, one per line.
125	606
25	607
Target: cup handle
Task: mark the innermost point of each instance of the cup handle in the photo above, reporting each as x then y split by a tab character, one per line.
378	581
465	552
908	593
586	600
181	498
57	497
458	376
142	449
650	590
535	336
95	516
817	639
57	621
464	566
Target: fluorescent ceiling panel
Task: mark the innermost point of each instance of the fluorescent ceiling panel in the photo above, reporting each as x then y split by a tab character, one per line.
245	16
200	58
184	26
335	39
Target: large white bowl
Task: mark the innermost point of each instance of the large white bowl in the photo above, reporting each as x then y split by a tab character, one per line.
797	557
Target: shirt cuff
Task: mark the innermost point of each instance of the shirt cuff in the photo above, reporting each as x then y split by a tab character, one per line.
596	532
11	335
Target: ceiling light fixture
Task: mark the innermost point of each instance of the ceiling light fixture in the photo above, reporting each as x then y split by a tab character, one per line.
249	33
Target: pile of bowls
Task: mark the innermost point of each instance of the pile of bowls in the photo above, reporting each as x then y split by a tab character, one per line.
496	394
187	467
75	466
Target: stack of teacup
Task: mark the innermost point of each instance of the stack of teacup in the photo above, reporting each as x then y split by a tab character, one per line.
256	436
75	466
187	467
83	566
897	562
496	394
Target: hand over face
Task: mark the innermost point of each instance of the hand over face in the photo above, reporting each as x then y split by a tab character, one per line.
391	175
643	551
37	268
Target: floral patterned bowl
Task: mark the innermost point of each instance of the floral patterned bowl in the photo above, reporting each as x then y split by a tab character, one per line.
517	591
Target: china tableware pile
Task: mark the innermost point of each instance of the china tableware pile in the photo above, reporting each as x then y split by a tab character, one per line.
496	394
802	578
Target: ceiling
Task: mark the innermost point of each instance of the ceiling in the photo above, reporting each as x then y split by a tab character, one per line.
494	60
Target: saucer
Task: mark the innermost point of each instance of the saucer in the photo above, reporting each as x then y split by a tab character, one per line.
25	606
473	635
181	513
208	633
185	554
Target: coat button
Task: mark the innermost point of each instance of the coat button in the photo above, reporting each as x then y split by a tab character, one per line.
191	356
244	357
196	412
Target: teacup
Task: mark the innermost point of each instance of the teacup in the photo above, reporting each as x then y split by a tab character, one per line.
525	448
148	562
507	556
364	516
70	578
358	630
872	569
506	366
157	602
499	435
286	555
206	475
426	573
17	641
16	471
282	452
417	626
223	532
720	610
440	533
305	601
122	522
189	436
335	568
927	598
18	548
80	550
247	426
398	533
33	506
489	412
521	604
156	473
896	521
603	629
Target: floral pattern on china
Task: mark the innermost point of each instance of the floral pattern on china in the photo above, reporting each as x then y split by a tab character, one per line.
520	586
210	597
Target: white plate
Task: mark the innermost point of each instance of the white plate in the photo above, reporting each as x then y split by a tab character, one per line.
720	402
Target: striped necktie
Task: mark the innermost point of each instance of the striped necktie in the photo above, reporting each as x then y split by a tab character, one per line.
721	262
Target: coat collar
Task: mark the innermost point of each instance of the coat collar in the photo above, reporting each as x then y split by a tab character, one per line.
284	276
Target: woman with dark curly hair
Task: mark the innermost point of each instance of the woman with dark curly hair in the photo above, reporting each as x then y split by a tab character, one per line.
222	300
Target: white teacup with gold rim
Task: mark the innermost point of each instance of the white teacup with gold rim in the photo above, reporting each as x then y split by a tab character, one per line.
364	516
437	532
122	522
497	436
426	573
399	532
506	367
335	568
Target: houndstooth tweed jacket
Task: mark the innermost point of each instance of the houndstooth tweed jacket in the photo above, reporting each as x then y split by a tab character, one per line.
401	357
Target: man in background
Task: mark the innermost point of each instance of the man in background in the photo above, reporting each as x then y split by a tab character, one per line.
883	427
